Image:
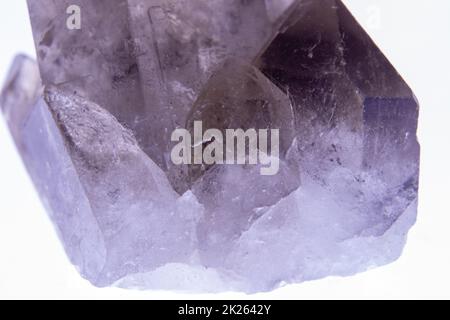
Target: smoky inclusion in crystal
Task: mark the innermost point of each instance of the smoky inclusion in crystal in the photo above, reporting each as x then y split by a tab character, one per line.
94	121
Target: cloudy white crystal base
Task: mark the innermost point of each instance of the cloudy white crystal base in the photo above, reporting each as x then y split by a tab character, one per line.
347	261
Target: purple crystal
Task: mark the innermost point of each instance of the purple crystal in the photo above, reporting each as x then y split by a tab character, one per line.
96	139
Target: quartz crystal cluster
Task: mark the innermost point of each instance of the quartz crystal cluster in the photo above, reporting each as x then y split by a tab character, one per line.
93	120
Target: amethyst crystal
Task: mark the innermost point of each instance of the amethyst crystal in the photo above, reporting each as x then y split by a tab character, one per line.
94	129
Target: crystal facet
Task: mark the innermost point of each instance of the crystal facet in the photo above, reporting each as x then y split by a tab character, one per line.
95	132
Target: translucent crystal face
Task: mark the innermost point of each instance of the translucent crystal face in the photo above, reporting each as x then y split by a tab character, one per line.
98	141
239	96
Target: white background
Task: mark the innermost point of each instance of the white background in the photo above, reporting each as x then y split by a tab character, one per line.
415	36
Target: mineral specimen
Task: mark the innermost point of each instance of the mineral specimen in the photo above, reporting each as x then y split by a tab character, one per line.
95	132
